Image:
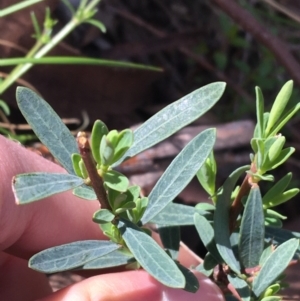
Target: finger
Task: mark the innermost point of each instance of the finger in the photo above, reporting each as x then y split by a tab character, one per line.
27	229
18	282
133	286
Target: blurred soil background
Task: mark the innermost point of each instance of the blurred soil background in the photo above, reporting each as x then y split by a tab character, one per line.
245	43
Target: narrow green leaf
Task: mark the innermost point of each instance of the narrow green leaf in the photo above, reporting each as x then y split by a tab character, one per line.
48	127
241	287
288	116
283	156
282	198
125	140
103	216
206	233
70	256
259	112
75	161
16	7
279	105
116	180
85	192
274	266
74	60
192	284
207	175
277	189
98	131
113	259
97	24
266	253
221	220
276	148
252	231
4	107
170	238
107	151
174	117
35	186
151	256
179	173
175	215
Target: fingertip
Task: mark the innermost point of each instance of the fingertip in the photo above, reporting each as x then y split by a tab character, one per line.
133	286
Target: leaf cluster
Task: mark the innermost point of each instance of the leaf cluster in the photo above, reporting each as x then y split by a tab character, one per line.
92	175
246	247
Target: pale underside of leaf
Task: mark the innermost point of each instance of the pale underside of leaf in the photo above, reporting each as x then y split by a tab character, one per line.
275	264
151	256
70	256
174	117
113	259
35	186
48	127
175	215
179	173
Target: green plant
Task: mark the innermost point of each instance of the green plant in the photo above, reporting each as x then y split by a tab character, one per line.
240	246
45	41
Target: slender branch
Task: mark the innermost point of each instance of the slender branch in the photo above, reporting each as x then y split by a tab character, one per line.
96	180
273	43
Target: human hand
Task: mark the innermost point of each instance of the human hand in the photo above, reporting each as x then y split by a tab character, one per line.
63	218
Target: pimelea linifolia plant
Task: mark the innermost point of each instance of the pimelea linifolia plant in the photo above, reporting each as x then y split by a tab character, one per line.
247	249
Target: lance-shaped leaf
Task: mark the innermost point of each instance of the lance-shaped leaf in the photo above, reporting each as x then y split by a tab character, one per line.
47	126
179	173
276	263
174	117
35	186
113	259
279	105
252	232
259	113
221	220
241	287
70	256
206	233
151	256
170	238
175	215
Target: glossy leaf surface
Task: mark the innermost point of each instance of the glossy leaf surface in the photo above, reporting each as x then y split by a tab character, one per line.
252	231
48	127
179	173
70	256
151	256
174	117
274	265
35	186
175	215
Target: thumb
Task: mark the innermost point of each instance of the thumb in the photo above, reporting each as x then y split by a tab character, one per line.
132	286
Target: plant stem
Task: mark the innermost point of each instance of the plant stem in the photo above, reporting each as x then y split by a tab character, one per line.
96	180
21	69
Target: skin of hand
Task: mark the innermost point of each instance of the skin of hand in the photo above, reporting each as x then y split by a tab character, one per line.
63	218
